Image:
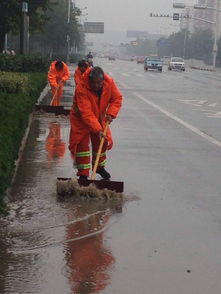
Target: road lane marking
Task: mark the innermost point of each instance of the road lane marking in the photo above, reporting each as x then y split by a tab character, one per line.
125	74
152	75
197	103
122	84
180	121
139	75
213	104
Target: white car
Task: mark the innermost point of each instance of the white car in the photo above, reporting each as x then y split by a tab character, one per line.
176	63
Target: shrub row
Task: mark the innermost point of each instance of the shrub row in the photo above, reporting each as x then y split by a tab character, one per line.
14	113
23	63
13	82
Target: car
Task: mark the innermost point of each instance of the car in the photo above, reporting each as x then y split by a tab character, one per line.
176	63
111	58
153	63
140	59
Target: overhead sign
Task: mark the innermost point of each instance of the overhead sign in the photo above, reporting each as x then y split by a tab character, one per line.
24	7
94	27
162	43
134	43
159	15
176	16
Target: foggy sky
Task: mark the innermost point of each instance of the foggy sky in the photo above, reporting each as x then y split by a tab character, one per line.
122	15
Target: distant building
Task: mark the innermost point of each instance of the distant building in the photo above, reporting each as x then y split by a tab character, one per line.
206	14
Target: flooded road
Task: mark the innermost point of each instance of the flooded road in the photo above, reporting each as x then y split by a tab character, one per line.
167	151
51	245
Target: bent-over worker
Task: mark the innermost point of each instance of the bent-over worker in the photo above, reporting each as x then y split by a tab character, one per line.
97	100
58	74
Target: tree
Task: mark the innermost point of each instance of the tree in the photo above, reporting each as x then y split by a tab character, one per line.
198	46
53	37
10	16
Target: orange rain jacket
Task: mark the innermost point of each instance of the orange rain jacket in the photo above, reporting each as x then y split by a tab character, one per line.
88	111
54	76
78	76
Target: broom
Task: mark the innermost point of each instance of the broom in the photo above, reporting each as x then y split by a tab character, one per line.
56	92
91	188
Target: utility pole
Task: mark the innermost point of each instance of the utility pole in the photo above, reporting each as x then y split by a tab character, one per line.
24	29
186	31
6	43
216	33
215	23
68	37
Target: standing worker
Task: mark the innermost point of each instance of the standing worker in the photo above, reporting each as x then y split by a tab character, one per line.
97	100
90	59
82	67
58	74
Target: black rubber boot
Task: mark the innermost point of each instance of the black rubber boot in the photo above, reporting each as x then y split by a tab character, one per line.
103	173
82	177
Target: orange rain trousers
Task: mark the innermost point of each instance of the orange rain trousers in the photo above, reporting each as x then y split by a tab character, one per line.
55	79
83	157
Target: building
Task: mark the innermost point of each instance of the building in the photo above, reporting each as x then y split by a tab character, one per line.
206	14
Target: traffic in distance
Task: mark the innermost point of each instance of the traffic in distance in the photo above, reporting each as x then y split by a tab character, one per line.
153	62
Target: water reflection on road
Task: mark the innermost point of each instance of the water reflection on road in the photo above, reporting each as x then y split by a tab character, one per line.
51	245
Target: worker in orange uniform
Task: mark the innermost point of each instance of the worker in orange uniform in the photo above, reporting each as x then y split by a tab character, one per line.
97	100
82	67
58	74
89	259
55	146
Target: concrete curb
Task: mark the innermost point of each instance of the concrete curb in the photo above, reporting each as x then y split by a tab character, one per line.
201	68
24	140
43	94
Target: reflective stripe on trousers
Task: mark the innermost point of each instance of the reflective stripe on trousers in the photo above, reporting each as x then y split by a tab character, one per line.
83	158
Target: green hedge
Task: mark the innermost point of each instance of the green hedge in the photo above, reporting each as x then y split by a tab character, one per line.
23	63
13	82
14	114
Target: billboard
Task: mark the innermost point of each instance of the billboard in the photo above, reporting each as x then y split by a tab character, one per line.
94	27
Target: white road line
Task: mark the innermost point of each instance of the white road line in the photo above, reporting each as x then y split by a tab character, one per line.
166	76
139	75
153	76
122	84
125	74
213	104
180	121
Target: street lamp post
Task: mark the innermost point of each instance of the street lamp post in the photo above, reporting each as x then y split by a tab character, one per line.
24	29
216	24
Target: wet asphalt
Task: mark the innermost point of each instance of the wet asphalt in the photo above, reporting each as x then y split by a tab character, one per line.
165	237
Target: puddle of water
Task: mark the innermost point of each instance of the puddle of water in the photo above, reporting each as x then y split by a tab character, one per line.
49	244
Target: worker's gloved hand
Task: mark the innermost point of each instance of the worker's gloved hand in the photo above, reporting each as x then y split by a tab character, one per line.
101	135
109	118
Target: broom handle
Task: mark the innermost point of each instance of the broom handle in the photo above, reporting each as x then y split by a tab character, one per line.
56	91
93	177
